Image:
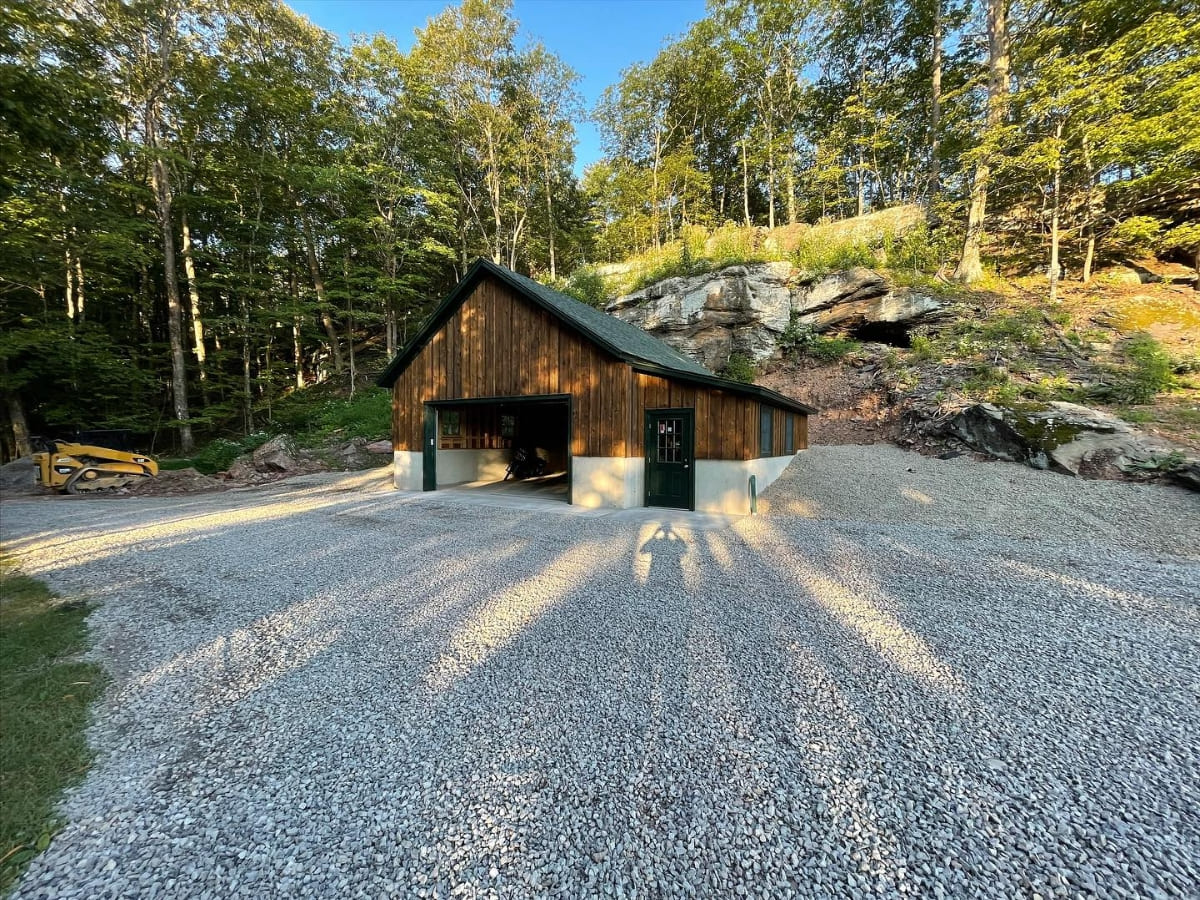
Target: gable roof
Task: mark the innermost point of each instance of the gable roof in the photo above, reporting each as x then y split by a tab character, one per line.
644	352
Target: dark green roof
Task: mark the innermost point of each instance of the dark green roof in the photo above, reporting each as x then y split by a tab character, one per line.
643	351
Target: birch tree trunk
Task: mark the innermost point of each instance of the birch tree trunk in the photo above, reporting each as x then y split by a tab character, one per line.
745	184
970	266
189	272
549	215
935	104
1053	273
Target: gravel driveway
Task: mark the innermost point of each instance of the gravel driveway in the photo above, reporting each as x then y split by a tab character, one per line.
333	690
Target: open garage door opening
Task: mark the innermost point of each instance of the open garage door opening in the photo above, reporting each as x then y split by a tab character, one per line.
518	445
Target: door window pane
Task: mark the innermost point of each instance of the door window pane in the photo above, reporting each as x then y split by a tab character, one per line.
668	448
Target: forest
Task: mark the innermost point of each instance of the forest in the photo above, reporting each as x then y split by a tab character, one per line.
209	206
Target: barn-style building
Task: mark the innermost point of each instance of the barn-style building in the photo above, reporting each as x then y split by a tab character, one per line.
505	362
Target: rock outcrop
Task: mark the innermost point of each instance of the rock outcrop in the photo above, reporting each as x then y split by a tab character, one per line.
1066	437
748	309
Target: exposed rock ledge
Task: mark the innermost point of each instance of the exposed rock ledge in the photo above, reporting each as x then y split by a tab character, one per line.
747	309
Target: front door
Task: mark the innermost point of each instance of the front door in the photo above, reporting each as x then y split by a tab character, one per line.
670	476
429	445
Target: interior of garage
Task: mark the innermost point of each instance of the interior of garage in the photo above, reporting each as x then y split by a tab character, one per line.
477	441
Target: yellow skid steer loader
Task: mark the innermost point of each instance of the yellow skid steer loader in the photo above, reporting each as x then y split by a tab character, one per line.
76	468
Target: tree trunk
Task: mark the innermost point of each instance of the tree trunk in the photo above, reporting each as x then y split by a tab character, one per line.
20	429
319	286
771	177
970	266
79	287
247	381
189	272
935	105
69	283
745	184
654	189
1053	273
862	182
549	216
297	343
791	191
1089	256
161	182
349	321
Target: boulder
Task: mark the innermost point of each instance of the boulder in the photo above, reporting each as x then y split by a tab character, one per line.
379	447
1065	437
19	477
276	455
242	469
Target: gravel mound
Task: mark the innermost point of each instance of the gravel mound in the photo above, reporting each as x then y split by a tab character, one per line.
883	483
176	481
17	478
330	692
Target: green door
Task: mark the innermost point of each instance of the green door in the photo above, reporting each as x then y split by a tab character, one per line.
670	463
429	450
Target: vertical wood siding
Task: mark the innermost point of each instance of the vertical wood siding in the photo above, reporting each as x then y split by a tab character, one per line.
499	345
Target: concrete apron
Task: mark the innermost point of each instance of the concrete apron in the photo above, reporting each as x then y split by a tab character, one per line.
475	496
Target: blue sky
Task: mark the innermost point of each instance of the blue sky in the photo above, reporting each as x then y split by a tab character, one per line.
597	38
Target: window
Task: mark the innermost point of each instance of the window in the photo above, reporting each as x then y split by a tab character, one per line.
789	433
450	424
766	430
670	448
508	426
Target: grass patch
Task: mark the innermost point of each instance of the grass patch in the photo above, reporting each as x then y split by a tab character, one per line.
44	694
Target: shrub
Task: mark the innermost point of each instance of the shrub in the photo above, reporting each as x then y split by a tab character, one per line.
218	455
831	348
922	347
739	368
586	286
801	338
1148	371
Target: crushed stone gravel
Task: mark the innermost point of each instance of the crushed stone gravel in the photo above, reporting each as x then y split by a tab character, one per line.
327	690
882	483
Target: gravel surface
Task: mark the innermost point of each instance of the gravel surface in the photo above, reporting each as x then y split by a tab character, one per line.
882	483
331	690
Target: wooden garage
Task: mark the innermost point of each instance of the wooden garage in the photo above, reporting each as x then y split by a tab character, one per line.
505	363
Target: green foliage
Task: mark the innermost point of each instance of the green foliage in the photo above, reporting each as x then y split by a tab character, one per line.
587	286
368	414
218	454
1136	234
1147	372
740	368
799	338
922	347
45	691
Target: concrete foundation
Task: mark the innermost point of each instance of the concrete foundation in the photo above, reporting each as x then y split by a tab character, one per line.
613	482
723	485
407	469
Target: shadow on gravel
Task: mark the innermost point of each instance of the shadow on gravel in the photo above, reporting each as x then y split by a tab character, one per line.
579	704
